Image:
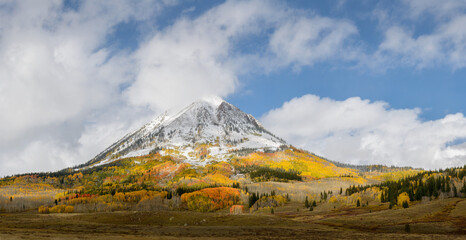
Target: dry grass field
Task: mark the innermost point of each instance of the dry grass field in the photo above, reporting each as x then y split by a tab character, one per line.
439	219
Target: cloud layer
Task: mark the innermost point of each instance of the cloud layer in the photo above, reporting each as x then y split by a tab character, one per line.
359	131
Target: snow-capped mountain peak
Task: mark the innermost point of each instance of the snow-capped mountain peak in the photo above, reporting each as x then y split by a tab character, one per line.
208	129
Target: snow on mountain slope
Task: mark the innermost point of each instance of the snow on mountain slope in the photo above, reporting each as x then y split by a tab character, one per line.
209	129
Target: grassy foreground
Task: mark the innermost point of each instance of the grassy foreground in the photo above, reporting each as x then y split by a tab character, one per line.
438	219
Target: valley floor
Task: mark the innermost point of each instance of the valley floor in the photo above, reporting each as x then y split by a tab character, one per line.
439	219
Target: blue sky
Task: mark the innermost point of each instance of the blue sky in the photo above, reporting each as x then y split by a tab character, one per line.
436	90
362	82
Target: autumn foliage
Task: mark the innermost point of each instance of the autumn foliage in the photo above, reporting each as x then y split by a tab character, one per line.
56	209
211	199
236	209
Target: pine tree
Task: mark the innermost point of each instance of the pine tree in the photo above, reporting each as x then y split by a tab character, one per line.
405	204
314	203
435	193
306	203
358	204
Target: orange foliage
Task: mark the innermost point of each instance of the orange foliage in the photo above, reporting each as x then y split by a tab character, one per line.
211	199
236	209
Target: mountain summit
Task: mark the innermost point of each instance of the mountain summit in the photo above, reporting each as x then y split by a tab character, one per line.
209	129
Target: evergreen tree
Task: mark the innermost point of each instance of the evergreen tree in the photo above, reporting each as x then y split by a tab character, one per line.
443	184
435	193
405	204
358	204
314	203
411	194
419	194
306	203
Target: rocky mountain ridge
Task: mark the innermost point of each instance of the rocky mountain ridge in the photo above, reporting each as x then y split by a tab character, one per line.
209	129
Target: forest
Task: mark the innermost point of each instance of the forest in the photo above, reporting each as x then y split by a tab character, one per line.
255	181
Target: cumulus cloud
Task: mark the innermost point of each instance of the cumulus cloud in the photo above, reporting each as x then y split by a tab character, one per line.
359	131
305	41
444	45
66	92
56	75
199	57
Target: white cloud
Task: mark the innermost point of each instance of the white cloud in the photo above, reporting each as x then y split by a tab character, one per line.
55	74
406	46
304	41
362	132
199	57
439	9
60	81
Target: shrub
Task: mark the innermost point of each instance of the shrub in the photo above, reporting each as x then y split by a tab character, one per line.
44	210
69	209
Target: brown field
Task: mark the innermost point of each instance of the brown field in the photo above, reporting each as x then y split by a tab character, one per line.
439	219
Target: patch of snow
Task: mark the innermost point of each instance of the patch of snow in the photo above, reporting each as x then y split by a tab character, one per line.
209	121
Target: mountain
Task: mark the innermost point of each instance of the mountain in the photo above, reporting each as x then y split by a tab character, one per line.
209	129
